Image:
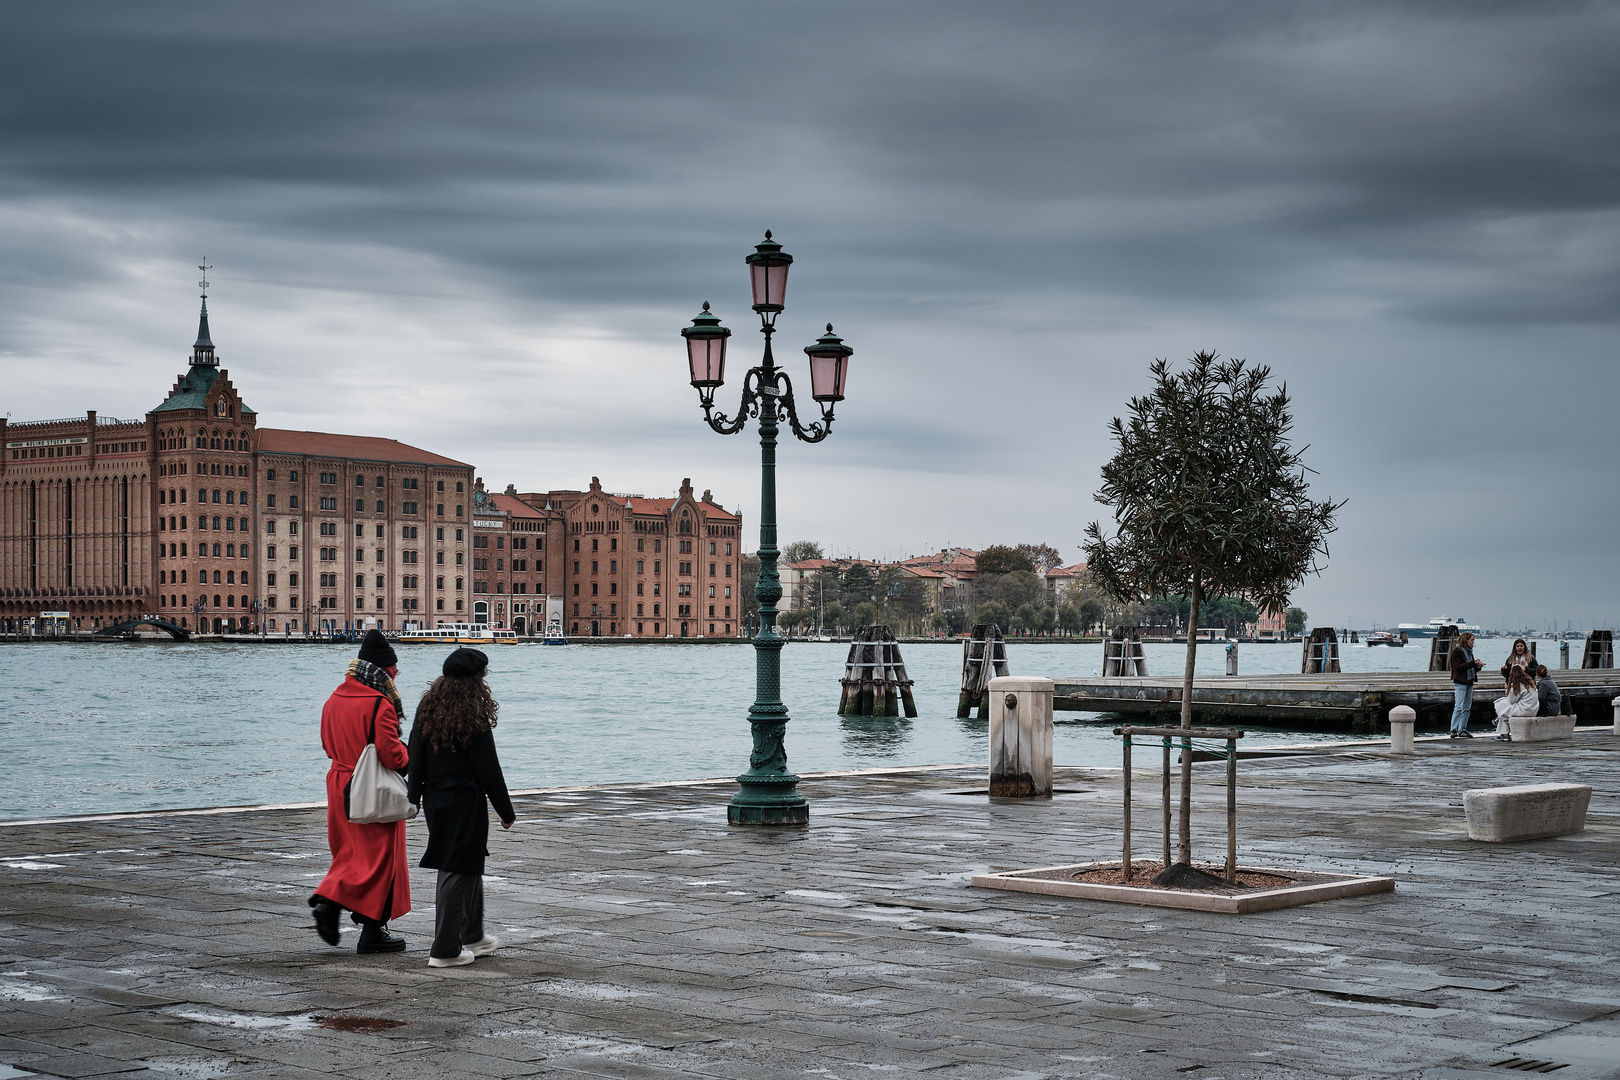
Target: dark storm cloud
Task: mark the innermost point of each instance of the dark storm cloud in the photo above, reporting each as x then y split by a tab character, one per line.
1121	149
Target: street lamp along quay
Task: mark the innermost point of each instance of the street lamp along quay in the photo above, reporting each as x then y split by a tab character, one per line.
767	792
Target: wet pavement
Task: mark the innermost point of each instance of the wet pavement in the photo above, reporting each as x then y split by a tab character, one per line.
643	937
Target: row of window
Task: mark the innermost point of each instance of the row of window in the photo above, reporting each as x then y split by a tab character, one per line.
230	497
183	601
169	524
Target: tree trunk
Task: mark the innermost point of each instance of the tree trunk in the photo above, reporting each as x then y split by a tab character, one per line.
1185	826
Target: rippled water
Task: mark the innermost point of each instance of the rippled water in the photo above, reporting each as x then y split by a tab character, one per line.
123	726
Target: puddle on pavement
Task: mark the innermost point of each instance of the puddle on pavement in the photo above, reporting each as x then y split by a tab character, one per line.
364	1024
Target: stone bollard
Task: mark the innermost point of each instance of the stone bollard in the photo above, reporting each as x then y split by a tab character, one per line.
1616	704
1402	720
1020	737
1231	658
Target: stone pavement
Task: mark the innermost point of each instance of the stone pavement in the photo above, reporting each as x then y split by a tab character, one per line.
645	938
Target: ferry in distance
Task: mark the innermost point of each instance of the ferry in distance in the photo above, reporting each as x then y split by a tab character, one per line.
462	634
1434	626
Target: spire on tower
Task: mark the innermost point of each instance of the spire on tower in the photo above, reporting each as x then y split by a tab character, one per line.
202	352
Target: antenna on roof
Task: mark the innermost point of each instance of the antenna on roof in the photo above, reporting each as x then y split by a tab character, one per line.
203	284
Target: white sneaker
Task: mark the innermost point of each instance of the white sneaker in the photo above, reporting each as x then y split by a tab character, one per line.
451	961
484	945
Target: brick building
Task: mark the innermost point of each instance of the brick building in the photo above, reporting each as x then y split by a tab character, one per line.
197	515
630	566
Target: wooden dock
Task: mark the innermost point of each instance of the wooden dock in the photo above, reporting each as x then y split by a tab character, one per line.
1362	701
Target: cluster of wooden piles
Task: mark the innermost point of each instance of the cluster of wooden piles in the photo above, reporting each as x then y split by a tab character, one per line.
875	681
1122	653
1321	656
984	657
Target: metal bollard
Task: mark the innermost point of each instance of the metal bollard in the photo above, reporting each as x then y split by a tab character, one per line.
1563	655
1231	658
1616	704
1402	721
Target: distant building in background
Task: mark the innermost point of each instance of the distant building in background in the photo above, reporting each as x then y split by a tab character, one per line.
200	517
197	515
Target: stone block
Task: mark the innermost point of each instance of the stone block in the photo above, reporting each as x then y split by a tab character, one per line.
1541	728
1529	812
1020	737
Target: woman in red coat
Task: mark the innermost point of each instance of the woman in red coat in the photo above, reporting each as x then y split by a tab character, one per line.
369	875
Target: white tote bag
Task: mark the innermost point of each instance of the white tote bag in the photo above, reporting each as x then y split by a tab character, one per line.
375	794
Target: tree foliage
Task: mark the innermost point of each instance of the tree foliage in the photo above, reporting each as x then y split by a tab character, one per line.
1294	621
1041	556
1000	559
1209	496
800	550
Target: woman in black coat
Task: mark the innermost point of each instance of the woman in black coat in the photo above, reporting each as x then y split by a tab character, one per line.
455	775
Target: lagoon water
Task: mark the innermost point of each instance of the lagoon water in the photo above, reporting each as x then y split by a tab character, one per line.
110	727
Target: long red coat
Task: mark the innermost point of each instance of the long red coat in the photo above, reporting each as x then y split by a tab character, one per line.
369	875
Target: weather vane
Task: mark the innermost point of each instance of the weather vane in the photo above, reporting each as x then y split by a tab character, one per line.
204	267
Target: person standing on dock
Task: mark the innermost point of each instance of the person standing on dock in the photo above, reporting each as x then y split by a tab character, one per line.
1464	670
369	874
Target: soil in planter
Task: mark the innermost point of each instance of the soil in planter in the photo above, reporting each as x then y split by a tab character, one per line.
1142	874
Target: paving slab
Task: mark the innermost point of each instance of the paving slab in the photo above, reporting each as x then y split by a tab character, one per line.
645	938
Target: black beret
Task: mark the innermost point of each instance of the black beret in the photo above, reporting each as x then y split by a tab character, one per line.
465	663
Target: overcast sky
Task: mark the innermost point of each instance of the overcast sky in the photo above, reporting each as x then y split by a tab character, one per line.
479	228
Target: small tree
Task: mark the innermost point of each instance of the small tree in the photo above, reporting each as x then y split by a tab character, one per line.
833	616
1046	618
938	623
993	612
1209	497
1294	621
865	613
1091	612
1068	619
1026	618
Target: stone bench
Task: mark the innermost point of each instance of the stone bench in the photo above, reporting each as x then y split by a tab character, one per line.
1530	812
1541	728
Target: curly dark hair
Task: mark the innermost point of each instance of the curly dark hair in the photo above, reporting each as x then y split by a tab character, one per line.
452	711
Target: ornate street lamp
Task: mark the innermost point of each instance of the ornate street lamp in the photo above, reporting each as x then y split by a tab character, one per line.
766	792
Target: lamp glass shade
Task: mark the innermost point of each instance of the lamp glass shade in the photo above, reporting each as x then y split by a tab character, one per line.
767	274
829	366
827	377
706	349
707	357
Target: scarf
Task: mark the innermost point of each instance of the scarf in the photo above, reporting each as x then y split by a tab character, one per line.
369	674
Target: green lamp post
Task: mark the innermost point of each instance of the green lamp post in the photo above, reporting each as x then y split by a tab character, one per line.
767	792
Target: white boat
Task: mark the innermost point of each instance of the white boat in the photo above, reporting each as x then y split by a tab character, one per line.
462	634
1434	626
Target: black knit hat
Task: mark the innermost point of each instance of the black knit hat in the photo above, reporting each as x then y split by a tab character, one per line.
376	650
465	664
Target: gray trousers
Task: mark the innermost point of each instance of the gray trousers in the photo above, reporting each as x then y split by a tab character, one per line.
458	915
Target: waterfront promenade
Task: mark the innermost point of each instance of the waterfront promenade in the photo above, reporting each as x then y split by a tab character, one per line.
645	938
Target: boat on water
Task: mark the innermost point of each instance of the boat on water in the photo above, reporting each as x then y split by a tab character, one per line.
462	634
1434	626
1384	637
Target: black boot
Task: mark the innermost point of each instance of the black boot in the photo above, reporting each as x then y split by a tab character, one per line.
375	938
326	918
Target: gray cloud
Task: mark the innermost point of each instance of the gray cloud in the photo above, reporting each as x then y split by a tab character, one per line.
1409	210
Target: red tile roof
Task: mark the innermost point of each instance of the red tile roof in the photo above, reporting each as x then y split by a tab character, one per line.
515	507
358	447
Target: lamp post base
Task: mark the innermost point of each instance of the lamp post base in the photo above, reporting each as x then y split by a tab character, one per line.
768	799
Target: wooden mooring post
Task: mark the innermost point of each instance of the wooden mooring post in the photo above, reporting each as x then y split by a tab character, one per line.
1321	652
1186	735
984	657
1122	653
1440	646
1599	652
875	681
